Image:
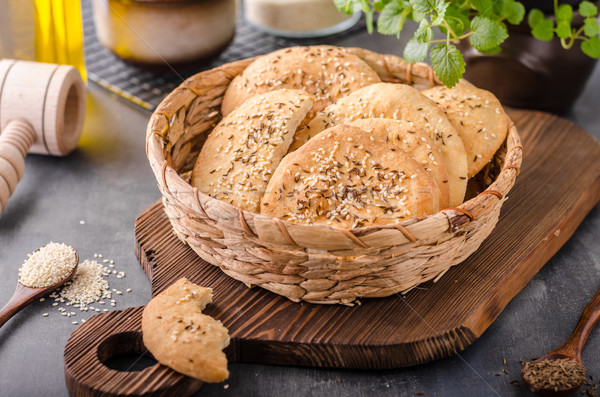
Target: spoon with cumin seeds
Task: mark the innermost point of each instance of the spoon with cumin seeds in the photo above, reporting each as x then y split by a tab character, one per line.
561	372
44	270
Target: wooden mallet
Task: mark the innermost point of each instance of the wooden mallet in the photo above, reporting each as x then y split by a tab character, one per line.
42	107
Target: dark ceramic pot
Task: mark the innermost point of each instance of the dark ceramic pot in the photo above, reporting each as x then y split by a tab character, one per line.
529	73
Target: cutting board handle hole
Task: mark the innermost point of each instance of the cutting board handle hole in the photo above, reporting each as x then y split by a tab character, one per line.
125	352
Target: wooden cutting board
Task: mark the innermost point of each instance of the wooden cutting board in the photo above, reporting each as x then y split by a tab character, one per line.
559	184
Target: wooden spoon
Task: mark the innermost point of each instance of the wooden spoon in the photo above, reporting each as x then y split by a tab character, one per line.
24	295
573	346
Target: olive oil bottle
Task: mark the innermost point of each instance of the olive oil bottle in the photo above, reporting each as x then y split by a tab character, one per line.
59	33
42	30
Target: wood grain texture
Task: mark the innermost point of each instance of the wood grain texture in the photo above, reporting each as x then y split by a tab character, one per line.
53	103
559	184
22	297
105	336
15	141
573	346
571	349
41	115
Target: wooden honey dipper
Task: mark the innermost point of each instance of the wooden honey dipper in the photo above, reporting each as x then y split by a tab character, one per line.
42	107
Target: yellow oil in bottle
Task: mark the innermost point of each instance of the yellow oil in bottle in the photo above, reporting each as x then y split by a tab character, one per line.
59	33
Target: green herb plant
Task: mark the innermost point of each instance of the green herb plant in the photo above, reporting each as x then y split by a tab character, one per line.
482	22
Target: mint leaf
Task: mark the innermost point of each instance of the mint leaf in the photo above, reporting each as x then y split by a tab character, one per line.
424	33
563	29
500	9
516	13
414	51
587	9
379	5
416	16
346	6
391	20
535	17
458	20
564	13
448	64
543	30
484	7
487	33
440	12
435	8
511	10
493	50
424	6
591	47
591	28
343	5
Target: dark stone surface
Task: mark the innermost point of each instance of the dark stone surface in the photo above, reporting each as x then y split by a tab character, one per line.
107	182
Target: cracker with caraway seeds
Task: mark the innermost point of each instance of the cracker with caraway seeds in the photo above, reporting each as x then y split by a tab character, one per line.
478	117
414	141
326	72
179	336
346	178
399	102
242	152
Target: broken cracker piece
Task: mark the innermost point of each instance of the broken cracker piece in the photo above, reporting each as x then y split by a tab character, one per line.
179	336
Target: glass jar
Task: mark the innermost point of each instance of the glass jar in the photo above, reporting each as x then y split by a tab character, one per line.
43	31
298	18
164	34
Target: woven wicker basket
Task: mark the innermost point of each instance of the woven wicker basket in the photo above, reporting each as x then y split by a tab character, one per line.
313	263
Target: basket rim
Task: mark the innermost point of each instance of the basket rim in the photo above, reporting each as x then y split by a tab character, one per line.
452	219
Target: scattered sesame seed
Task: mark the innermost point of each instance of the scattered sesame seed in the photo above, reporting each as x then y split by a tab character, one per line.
87	286
47	266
